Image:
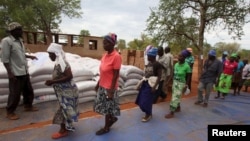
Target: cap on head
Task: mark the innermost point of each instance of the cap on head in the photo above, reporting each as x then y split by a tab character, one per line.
13	26
212	53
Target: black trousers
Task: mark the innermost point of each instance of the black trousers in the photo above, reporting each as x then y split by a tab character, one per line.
159	92
190	81
18	86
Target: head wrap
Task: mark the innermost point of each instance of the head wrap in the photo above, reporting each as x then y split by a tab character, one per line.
148	48
152	52
190	49
60	55
225	52
111	37
234	55
13	26
185	53
212	52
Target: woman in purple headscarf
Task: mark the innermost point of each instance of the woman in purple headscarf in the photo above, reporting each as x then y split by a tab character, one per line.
146	91
182	73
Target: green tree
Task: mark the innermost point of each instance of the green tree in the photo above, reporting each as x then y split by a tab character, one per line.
83	33
229	47
136	44
190	19
244	54
141	44
39	15
121	44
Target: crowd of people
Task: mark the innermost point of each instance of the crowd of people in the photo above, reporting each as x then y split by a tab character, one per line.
220	74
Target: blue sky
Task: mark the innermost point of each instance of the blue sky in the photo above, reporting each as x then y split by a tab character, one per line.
127	19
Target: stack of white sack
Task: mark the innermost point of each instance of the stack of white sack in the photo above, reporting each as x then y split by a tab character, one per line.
85	74
129	76
41	70
84	71
87	87
4	86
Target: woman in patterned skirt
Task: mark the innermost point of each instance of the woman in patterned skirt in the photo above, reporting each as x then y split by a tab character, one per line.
106	102
66	92
182	73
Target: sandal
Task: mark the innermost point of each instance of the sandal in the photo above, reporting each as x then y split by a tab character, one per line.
12	116
113	121
146	118
102	131
59	135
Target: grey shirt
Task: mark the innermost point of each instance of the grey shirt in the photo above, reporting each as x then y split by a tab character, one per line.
211	71
170	64
163	60
13	52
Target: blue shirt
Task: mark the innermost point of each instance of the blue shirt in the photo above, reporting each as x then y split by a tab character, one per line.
240	66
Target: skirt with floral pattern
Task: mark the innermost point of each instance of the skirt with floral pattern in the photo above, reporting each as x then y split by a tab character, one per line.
68	112
105	106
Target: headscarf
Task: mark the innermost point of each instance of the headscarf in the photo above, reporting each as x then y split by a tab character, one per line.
234	55
212	52
60	55
13	26
185	53
148	48
111	37
152	52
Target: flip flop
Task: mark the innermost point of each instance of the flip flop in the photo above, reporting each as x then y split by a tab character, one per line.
59	135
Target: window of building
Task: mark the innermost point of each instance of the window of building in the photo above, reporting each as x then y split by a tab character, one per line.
93	44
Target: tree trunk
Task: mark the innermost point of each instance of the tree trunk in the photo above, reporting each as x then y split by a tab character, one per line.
201	39
49	37
200	61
